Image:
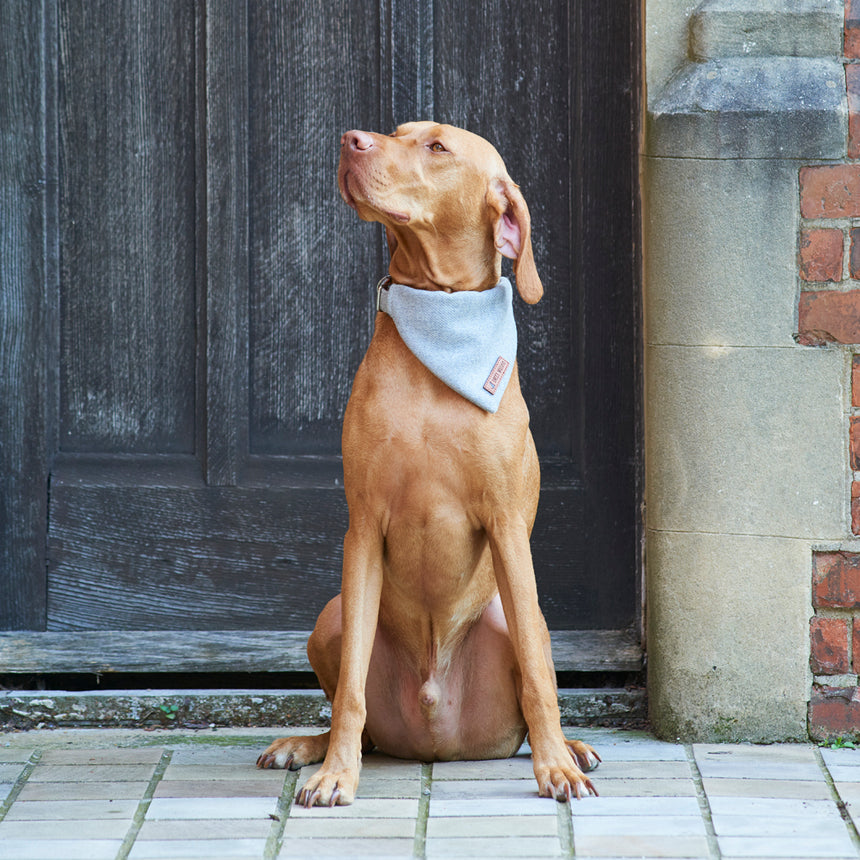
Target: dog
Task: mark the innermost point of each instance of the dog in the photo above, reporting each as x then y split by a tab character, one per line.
436	648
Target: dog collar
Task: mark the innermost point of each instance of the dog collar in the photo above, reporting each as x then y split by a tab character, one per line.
467	339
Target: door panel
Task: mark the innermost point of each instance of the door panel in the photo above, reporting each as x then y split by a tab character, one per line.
127	226
312	261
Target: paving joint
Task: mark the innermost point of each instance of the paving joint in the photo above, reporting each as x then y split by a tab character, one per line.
275	840
704	803
20	782
837	799
143	806
565	829
419	847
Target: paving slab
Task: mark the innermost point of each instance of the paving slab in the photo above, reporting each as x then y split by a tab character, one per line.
639	825
71	810
507	846
205	849
189	808
101	790
60	829
219	788
363	807
352	828
830	846
55	849
205	829
800	789
531	825
665	806
496	806
644	787
774	807
308	849
640	846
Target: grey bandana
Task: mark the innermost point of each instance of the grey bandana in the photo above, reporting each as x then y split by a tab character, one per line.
467	339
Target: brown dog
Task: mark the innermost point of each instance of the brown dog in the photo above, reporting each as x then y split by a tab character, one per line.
436	648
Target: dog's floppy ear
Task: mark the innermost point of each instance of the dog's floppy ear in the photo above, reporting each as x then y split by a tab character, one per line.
512	237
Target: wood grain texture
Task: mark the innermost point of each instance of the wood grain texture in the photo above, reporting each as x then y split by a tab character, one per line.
127	203
223	236
502	70
407	54
314	72
140	558
246	651
147	545
25	318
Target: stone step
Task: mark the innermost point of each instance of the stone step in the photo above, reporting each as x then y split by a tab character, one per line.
758	28
201	709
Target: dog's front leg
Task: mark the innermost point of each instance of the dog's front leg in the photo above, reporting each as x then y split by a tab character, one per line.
337	779
555	770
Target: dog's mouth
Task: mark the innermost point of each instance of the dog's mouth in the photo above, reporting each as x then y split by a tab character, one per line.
345	192
350	199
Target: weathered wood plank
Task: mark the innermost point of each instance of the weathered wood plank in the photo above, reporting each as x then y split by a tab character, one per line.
314	72
503	70
166	555
407	51
27	193
127	215
138	558
223	304
100	652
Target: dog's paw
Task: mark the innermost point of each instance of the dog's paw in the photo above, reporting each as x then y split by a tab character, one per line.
558	777
329	788
294	753
584	755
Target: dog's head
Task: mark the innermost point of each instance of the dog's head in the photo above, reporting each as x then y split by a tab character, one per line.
447	203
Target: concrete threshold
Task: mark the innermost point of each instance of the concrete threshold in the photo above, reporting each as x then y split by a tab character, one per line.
200	709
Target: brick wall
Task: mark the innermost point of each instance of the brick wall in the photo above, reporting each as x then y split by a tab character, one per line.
829	312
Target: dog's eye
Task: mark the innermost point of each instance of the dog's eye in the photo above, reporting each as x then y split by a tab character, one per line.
437	147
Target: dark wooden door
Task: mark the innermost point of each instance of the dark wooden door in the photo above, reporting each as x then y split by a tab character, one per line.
186	301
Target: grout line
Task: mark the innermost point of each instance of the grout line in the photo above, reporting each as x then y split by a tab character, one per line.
419	846
837	799
143	806
28	768
280	816
565	828
704	803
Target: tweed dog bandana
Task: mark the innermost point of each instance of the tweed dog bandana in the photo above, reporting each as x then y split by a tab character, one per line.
467	339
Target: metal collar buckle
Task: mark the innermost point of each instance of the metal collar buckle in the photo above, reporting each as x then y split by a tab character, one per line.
383	284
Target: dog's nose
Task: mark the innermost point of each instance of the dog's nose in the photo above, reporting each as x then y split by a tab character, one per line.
358	140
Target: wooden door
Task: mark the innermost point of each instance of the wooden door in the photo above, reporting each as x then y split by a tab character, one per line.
187	300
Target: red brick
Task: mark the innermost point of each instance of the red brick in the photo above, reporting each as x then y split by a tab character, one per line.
856	645
830	191
834	712
821	254
854	442
836	580
855	380
852	29
855	508
829	316
852	81
854	254
828	639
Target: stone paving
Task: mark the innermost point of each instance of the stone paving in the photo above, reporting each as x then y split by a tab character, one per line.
95	794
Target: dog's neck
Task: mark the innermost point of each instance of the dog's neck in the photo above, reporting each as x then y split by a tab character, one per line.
457	263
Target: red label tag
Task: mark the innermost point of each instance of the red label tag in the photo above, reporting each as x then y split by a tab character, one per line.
495	377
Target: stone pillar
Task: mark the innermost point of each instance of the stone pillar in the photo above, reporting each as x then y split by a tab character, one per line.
745	435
